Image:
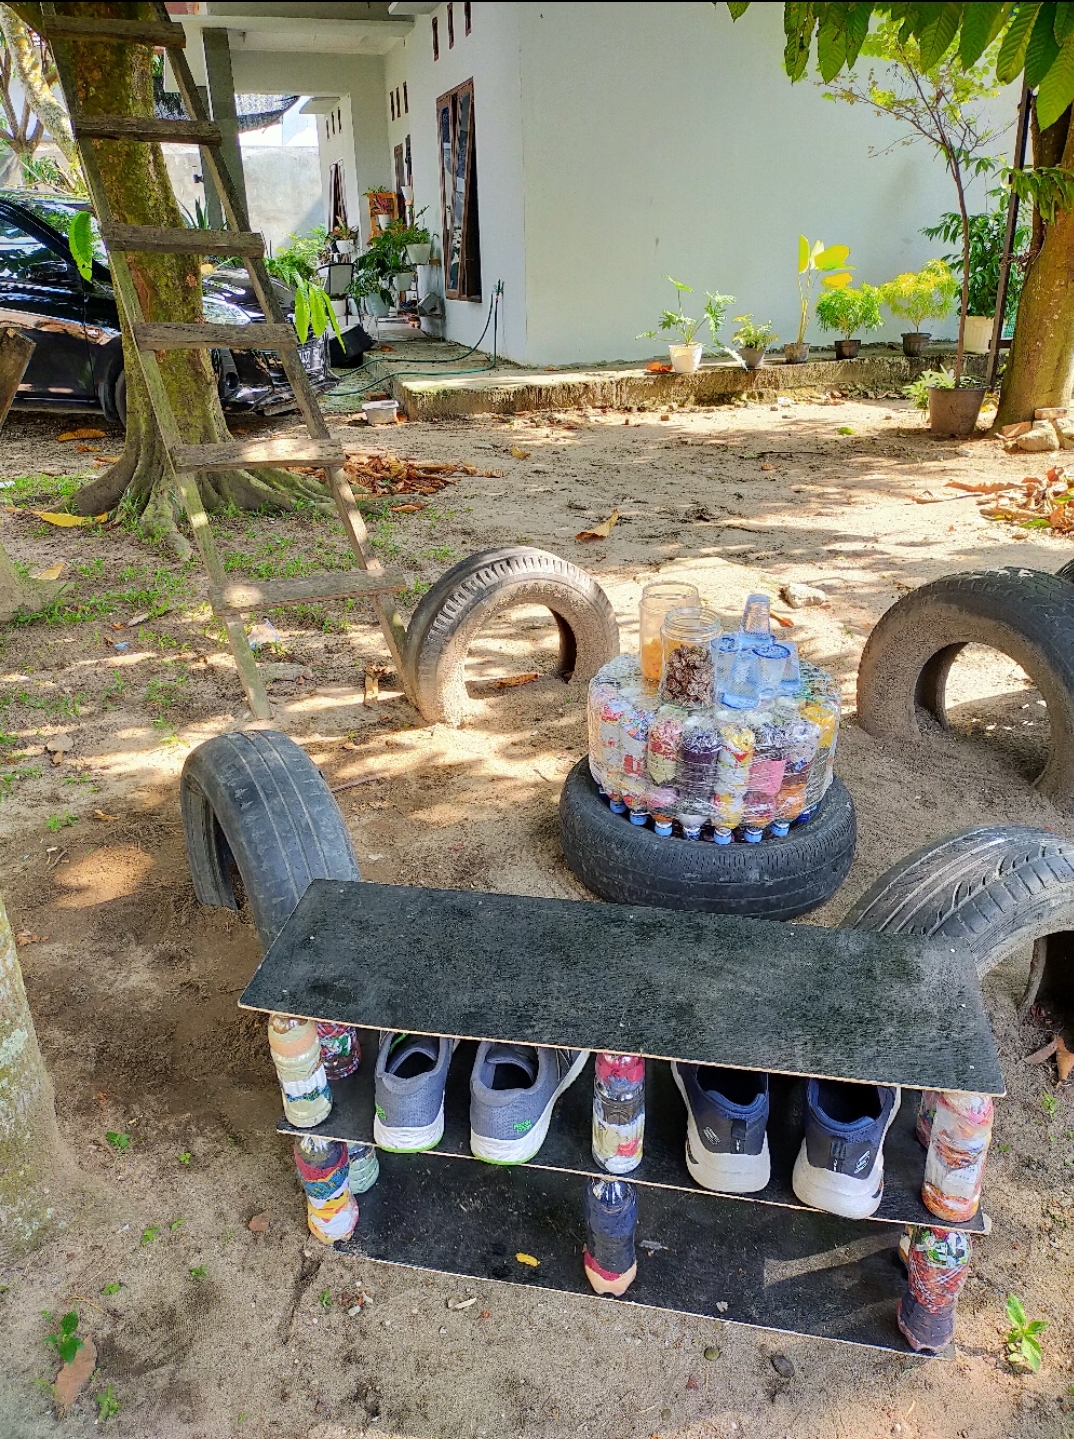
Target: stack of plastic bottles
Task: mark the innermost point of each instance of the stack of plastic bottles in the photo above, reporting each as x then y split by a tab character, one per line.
736	742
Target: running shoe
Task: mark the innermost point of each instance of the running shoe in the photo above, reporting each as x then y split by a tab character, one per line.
409	1085
513	1088
727	1117
840	1166
611	1217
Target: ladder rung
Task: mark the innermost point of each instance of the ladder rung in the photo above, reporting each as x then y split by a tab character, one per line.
145	127
209	337
254	453
135	239
117	32
243	595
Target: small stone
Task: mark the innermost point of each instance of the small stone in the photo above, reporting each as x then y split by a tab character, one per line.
354	1311
721	1305
260	1222
692	1383
783	1366
712	1352
442	1329
1065	430
1051	412
800	596
1040	438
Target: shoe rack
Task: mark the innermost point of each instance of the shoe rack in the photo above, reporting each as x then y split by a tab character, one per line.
794	1000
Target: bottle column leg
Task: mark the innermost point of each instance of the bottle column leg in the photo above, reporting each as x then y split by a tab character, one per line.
937	1267
611	1219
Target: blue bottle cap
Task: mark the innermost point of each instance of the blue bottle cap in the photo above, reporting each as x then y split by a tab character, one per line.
723	837
780	827
754	836
663	828
617	806
639	816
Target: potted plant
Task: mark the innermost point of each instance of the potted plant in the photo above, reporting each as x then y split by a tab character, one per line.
418	241
752	340
848	310
826	263
987	237
928	295
342	241
953	406
686	353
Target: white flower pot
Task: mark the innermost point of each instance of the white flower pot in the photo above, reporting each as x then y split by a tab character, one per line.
405	280
383	221
978	334
381	412
340	309
685	359
376	306
345	249
419	254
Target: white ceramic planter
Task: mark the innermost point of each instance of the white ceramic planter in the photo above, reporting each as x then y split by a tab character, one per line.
419	254
383	221
405	280
345	249
978	334
376	306
340	309
685	359
381	412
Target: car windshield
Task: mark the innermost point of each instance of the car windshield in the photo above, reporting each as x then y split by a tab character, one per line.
60	215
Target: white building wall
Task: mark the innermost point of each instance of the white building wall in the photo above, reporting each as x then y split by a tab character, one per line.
489	56
665	139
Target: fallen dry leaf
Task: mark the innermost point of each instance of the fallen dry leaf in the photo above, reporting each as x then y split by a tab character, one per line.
1045	1052
24	937
52	573
658	367
989	487
72	1376
260	1222
406	509
528	1259
784	620
101	814
462	1303
137	620
601	531
512	680
768	467
64	521
87	434
518	453
1064	1061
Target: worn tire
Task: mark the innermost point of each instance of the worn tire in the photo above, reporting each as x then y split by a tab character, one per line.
255	802
1025	614
997	889
462	602
1067	572
778	879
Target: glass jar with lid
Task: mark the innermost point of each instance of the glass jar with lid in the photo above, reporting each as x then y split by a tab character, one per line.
656	600
688	672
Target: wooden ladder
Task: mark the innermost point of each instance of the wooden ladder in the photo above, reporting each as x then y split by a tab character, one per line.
185	462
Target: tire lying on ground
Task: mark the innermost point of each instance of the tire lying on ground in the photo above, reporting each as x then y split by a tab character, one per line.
1067	572
1025	614
256	803
997	889
465	599
777	879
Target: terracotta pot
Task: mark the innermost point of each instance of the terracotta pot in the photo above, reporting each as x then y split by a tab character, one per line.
915	343
752	356
796	354
954	412
847	349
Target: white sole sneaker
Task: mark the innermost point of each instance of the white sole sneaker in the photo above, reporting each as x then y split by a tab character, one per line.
723	1173
408	1141
520	1151
844	1194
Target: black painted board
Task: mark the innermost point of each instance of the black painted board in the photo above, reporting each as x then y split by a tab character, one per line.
568	1144
806	1273
714	989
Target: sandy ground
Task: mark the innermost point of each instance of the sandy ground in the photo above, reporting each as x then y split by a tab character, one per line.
216	1331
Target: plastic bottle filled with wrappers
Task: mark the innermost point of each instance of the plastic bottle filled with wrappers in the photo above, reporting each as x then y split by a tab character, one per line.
634	732
801	739
696	775
735	721
765	778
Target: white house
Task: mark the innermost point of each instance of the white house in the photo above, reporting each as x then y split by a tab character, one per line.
590	149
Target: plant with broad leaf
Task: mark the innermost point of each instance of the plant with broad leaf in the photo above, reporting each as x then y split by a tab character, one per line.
819	262
678	323
1023	1338
988	236
752	336
65	1339
850	311
926	295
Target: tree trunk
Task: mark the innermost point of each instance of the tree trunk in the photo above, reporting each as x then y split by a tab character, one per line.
117	80
31	1154
1040	367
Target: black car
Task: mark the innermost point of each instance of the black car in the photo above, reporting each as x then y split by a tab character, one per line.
78	359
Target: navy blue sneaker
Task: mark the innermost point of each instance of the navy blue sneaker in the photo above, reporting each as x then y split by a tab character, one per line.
611	1217
840	1166
727	1116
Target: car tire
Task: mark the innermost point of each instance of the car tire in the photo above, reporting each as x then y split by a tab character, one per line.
1025	614
778	879
255	802
1067	572
462	601
119	397
996	889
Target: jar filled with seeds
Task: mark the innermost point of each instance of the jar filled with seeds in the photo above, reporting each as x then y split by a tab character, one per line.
687	676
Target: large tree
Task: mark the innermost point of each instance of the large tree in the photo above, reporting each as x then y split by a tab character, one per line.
1037	42
113	79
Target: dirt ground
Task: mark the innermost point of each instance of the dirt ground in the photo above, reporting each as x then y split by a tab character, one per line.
215	1331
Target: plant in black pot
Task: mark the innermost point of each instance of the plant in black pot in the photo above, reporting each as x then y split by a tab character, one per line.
752	340
926	295
987	236
953	406
847	311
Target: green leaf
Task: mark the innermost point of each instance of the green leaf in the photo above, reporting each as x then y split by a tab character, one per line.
1042	49
836	282
799	21
980	25
935	39
1012	52
803	254
1056	90
831	44
80	239
1015	1312
857	27
302	313
832	257
1030	1351
738	7
1036	1326
1064	20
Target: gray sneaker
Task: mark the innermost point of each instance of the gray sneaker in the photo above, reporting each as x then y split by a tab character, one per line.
410	1077
513	1088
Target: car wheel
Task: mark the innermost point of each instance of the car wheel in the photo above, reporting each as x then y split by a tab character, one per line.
119	398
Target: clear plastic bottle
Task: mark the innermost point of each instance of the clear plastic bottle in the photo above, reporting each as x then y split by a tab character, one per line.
926	1113
696	777
665	742
601	692
958	1148
688	674
772	661
612	710
656	600
364	1168
634	732
937	1267
757	617
663	806
340	1050
324	1169
824	713
765	779
801	740
724	651
611	1221
734	719
792	686
296	1053
618	1111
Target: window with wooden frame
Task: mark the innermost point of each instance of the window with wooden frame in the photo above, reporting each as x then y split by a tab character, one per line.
458	193
467	17
406	100
391	102
451	26
436	38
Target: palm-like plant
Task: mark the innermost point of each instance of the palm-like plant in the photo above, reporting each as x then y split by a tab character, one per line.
819	262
